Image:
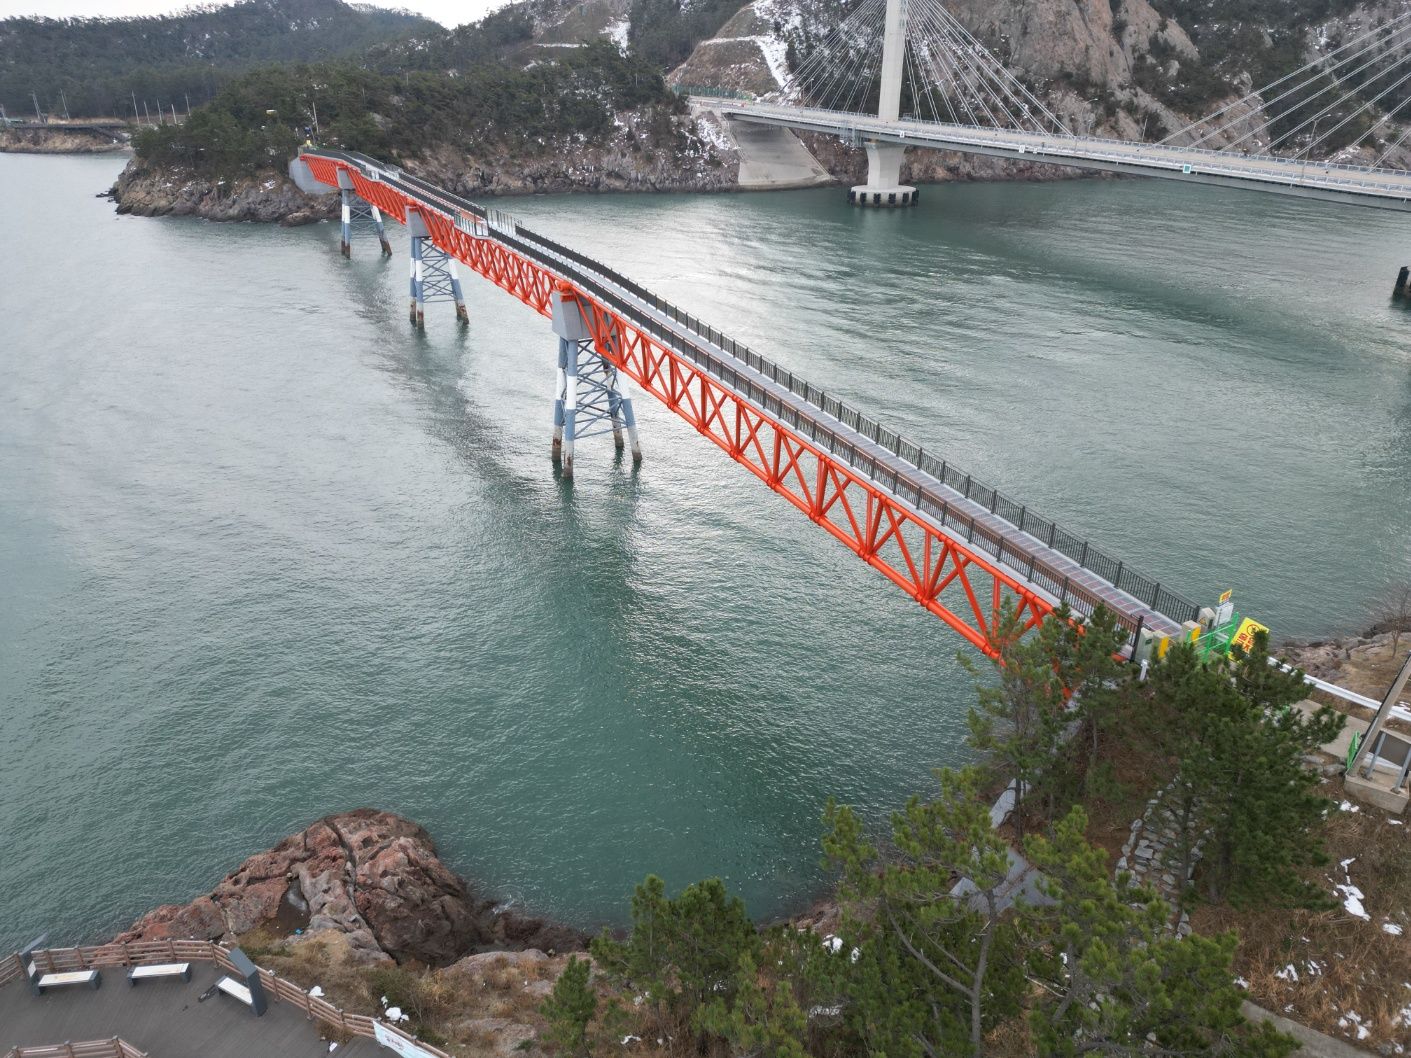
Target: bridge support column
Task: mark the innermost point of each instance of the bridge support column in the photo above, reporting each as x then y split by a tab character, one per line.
355	210
884	186
347	248
590	396
417	311
434	276
380	229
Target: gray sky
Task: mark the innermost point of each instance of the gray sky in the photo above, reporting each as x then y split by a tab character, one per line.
447	12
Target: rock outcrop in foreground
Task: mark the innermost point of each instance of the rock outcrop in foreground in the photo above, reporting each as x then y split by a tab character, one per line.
371	876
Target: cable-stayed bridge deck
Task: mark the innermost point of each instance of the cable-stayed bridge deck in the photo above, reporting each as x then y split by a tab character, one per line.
1358	185
929	527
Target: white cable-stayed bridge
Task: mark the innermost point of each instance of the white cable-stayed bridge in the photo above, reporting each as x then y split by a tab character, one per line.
907	73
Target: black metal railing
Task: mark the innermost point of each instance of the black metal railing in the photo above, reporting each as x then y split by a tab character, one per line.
910	483
1148	591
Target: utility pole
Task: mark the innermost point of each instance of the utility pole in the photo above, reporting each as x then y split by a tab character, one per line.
38	117
65	103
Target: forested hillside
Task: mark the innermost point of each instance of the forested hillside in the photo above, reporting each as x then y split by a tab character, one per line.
99	64
576	95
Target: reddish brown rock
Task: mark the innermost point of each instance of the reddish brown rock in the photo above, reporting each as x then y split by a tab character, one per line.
201	919
370	876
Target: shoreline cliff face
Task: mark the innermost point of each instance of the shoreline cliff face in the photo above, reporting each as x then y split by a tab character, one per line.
699	159
370	880
146	190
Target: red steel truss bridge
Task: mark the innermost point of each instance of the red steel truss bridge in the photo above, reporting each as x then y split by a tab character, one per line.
960	548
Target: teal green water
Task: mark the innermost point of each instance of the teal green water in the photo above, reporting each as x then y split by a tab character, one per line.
266	554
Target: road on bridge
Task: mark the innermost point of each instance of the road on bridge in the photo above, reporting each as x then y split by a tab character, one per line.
1358	185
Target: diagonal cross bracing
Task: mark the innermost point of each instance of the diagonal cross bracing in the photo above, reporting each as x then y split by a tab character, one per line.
953	554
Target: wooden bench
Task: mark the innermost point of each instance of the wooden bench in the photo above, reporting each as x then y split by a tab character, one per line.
91	978
153	971
235	990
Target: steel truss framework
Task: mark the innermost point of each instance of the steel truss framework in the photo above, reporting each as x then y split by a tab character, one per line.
936	569
361	215
598	401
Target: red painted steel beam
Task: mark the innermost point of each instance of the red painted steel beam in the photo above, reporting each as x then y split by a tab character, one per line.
960	585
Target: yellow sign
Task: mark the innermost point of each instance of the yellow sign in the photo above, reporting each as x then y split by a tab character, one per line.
1227	596
1244	638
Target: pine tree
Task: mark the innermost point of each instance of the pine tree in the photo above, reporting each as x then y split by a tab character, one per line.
928	967
683	953
1241	785
1023	720
1086	661
765	1020
1114	980
570	1007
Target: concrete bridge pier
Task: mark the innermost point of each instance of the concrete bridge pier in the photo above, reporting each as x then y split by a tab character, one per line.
884	186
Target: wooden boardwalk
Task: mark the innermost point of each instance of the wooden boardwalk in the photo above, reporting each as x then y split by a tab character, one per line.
164	1019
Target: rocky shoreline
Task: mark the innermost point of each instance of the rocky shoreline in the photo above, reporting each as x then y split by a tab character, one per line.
1364	664
367	877
57	141
703	160
708	163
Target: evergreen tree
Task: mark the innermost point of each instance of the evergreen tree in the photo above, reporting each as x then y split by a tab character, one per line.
929	965
1022	721
683	953
571	1006
1114	980
765	1020
1241	787
1086	661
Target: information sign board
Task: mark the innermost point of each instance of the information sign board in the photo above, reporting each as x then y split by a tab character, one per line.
395	1041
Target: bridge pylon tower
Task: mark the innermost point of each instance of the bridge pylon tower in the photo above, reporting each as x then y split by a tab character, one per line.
357	211
884	186
434	276
591	397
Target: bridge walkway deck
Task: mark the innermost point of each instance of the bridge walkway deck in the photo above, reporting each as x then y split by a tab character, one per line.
1355	184
1048	571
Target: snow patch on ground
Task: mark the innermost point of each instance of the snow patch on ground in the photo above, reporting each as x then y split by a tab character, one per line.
712	132
773	49
1352	1020
617	33
1351	896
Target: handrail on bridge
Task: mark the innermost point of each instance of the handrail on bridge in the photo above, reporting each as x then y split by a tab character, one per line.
925	489
1147	155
